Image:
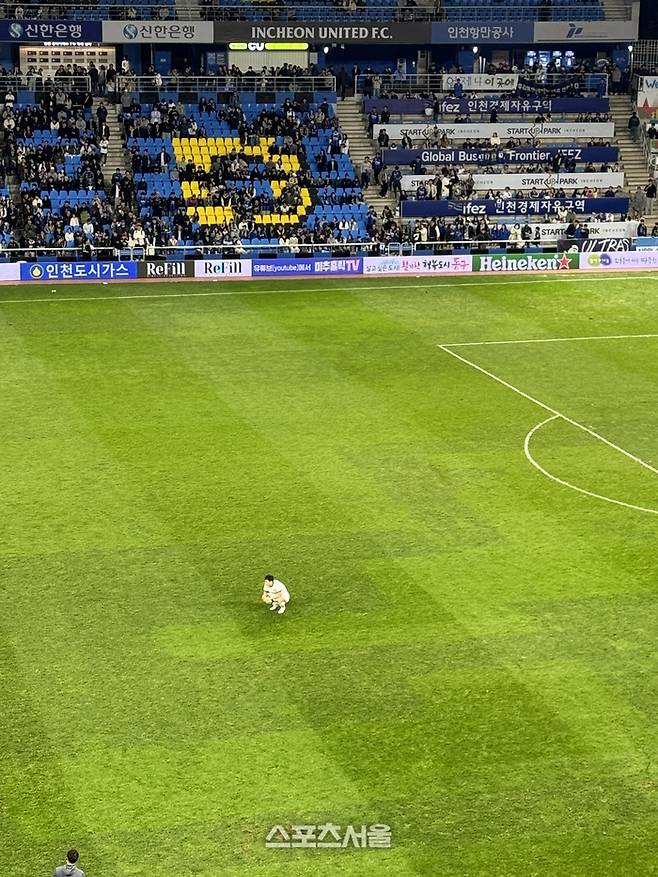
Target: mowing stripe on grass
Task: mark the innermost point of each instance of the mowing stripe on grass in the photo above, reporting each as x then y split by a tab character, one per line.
476	281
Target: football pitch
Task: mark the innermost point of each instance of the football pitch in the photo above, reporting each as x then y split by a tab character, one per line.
457	479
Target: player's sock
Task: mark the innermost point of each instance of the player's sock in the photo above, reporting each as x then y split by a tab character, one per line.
282	609
272	607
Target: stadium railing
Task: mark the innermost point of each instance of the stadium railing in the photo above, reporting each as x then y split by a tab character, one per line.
439	83
447	12
32	83
527	10
186	86
247	251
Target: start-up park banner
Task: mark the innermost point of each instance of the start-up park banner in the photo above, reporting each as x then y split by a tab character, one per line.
496	182
505	130
554	231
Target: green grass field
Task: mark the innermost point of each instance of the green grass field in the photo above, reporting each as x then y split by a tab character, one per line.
471	650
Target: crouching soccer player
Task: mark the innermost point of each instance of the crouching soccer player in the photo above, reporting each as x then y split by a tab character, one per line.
275	594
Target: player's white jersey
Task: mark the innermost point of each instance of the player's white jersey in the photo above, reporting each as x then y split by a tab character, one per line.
279	591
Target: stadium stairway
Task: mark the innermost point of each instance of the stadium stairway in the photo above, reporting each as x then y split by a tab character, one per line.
353	123
188	10
634	161
117	153
615	10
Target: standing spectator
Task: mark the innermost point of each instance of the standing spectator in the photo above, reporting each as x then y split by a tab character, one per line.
110	77
377	165
356	72
102	74
396	182
366	172
383	179
93	77
343	81
650	192
373	119
639	202
101	115
634	126
616	76
69	869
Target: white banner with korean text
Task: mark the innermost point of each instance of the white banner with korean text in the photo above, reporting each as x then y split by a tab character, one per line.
481	81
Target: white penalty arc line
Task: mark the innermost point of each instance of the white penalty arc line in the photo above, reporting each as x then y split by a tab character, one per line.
445	284
550	410
549	340
540	468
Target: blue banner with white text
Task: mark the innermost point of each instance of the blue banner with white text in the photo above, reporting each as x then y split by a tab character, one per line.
78	270
311	267
39	31
512	207
511	105
521	155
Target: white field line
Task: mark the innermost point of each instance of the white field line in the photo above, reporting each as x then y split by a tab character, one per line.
548	340
513	280
553	411
526	451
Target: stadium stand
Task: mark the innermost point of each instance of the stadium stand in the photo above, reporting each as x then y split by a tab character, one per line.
390	10
56	147
87	10
435	174
344	11
245	171
258	161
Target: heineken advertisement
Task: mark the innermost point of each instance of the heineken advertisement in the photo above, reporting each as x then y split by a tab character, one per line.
526	262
